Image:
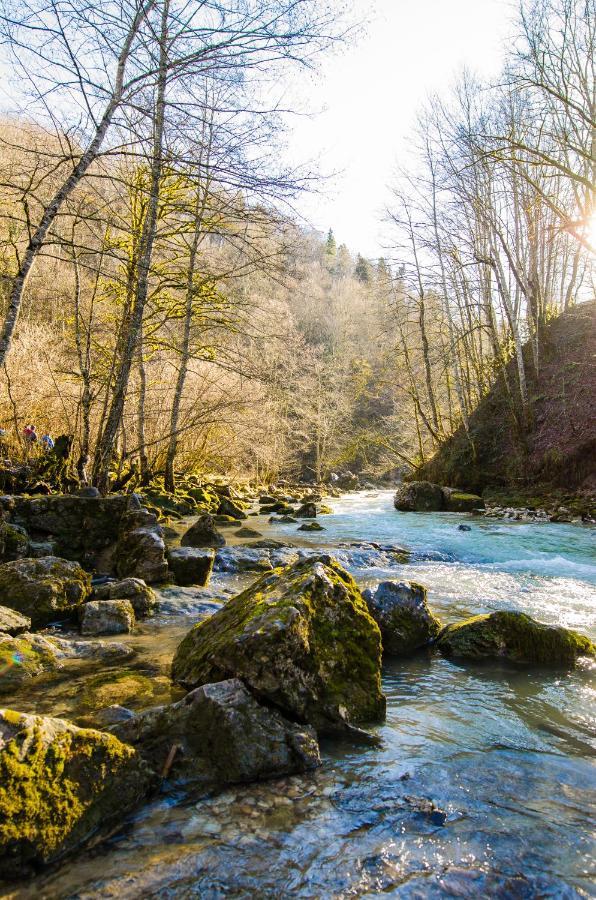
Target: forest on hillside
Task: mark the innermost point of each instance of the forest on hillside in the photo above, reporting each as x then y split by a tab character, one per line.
164	307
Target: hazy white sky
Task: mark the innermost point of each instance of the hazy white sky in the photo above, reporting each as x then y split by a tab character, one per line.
371	92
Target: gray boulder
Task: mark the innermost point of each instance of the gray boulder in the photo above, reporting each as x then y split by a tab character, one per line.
306	511
141	551
191	565
402	613
107	617
141	596
419	496
203	533
12	622
222	735
44	589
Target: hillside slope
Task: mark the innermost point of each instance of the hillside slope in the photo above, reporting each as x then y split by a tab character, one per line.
558	448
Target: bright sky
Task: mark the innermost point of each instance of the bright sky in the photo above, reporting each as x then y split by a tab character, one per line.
370	95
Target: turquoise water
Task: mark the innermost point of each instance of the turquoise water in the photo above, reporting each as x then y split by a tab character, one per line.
506	753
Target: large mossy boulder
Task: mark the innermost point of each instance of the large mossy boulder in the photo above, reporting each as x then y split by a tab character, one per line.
403	615
59	786
223	736
419	496
203	533
516	637
23	657
302	639
44	589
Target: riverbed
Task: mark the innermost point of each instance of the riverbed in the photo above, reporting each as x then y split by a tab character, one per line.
507	754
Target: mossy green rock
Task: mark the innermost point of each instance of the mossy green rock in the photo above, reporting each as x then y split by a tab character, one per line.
301	638
23	657
516	637
401	611
44	589
14	543
12	622
125	687
59	786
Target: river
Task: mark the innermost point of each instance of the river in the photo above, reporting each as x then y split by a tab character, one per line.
507	753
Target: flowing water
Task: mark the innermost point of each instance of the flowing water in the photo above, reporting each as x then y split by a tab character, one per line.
506	753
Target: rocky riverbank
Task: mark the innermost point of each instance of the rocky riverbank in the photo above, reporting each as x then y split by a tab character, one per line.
270	666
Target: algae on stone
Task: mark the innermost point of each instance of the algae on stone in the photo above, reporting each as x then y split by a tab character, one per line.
60	785
301	638
516	637
23	657
44	589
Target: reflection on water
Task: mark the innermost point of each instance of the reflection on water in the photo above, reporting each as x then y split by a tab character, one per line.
506	753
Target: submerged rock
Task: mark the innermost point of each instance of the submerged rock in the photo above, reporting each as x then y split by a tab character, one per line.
203	533
301	638
419	496
221	735
141	596
23	657
107	617
125	687
311	526
516	637
254	559
402	613
44	589
59	785
191	565
12	622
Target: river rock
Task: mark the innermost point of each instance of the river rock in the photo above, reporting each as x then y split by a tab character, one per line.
23	657
223	736
227	507
253	559
246	532
191	565
107	617
12	622
402	613
300	638
514	636
14	543
459	501
306	511
141	552
59	785
203	533
44	589
141	596
310	526
419	496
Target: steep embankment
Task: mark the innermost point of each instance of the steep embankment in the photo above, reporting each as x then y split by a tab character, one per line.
557	448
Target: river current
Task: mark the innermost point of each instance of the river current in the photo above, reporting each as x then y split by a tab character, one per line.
506	754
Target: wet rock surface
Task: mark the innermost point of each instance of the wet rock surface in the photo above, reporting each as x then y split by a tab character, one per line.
516	637
219	734
401	611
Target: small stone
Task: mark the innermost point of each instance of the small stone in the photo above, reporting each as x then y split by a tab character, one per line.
203	533
311	526
107	617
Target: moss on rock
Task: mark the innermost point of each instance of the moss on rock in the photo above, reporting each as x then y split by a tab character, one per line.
302	638
23	657
59	785
125	687
14	543
514	636
44	589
